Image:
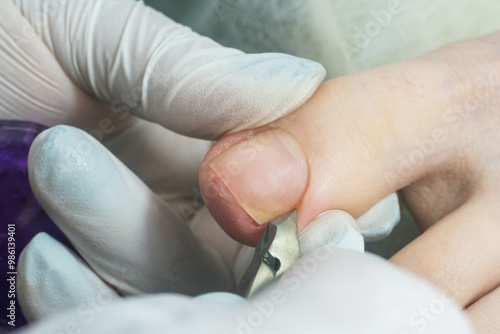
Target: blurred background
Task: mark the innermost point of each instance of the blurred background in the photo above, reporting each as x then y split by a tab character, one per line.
345	36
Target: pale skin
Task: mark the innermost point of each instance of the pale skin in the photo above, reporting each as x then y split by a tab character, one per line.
428	126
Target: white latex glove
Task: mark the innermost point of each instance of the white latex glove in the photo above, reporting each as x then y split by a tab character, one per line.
91	63
336	291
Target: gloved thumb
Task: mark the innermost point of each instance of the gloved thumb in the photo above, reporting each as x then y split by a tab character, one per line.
142	62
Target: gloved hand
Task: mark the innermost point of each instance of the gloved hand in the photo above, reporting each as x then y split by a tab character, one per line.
93	64
90	64
336	291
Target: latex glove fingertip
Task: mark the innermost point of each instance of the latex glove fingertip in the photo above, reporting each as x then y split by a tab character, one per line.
381	219
52	279
332	229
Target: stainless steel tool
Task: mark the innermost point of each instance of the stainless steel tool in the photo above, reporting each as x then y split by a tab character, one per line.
277	249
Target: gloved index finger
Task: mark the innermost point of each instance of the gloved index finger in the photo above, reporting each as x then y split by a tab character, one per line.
142	62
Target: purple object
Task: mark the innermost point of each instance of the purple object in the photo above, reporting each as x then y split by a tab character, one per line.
19	208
